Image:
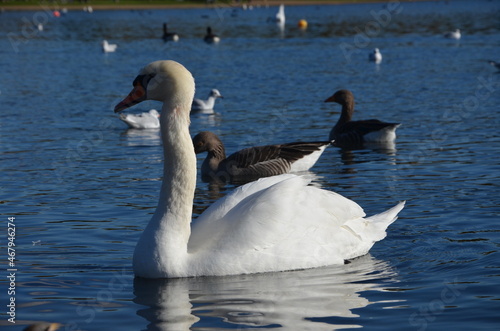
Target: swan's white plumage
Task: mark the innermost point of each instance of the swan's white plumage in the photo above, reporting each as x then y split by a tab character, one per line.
274	224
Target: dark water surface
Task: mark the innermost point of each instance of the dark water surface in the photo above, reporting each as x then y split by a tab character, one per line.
82	187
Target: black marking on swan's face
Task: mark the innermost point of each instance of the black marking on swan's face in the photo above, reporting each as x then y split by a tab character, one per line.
138	94
143	80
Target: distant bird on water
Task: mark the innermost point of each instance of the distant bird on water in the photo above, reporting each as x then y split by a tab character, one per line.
375	56
210	37
108	48
254	162
169	36
453	34
280	15
355	133
206	105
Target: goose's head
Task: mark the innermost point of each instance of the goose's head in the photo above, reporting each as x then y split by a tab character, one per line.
342	97
206	141
165	81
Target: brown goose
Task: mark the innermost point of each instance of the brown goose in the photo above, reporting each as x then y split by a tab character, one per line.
349	133
255	162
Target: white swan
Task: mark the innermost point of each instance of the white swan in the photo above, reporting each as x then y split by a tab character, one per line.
107	47
274	224
206	106
375	56
148	120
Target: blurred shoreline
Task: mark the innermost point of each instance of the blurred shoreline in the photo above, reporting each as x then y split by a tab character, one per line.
180	5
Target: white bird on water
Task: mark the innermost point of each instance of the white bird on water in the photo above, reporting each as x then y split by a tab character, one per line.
274	224
280	15
148	120
107	47
375	56
206	106
453	35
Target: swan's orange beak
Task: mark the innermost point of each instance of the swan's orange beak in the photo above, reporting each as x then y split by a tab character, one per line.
137	95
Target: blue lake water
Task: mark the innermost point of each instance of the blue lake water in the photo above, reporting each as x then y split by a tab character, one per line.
82	187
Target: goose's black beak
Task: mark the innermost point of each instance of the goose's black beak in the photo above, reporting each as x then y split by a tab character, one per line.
330	99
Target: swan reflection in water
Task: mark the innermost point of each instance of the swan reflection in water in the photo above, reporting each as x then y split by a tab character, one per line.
287	299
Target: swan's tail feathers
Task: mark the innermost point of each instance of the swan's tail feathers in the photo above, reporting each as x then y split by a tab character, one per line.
380	222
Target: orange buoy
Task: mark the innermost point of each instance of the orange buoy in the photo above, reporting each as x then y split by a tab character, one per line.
302	24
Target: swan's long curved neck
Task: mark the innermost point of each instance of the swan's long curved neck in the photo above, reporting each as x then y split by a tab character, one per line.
167	234
179	173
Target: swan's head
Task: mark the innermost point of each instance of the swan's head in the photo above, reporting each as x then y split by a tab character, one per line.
206	141
341	97
165	81
376	50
